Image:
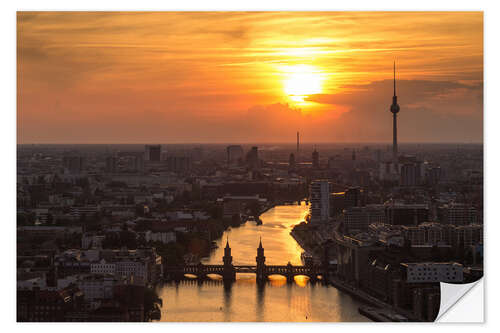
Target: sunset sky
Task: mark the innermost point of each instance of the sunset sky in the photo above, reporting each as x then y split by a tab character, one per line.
229	77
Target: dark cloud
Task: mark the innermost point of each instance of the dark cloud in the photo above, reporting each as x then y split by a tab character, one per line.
430	110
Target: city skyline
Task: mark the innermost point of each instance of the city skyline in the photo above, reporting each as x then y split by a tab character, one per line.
135	77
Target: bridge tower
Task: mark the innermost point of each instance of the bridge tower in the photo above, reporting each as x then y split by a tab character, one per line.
289	273
261	266
228	271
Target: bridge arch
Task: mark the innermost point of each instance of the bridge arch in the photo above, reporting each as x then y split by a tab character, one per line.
281	275
215	276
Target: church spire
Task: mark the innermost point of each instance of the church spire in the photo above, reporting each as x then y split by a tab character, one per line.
227	242
260	243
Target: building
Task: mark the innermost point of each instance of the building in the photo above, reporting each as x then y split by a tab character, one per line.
38	305
434	175
416	235
252	158
319	192
179	163
354	256
406	214
315	159
162	237
337	203
457	214
387	234
74	164
133	270
354	197
138	163
468	235
409	175
96	287
236	205
388	171
153	153
234	155
79	212
90	240
111	164
357	219
434	233
428	272
103	267
291	162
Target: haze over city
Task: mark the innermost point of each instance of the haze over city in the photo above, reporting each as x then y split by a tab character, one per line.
248	77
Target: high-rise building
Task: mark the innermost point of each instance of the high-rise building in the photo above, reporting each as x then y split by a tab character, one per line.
253	158
411	171
408	175
234	154
337	203
332	162
111	164
315	159
153	153
178	162
74	164
138	161
434	175
197	154
354	197
291	162
319	192
378	156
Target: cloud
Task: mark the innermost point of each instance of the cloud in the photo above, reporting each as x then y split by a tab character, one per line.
214	76
430	110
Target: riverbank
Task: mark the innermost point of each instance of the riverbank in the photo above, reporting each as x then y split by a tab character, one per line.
381	315
382	308
381	311
308	248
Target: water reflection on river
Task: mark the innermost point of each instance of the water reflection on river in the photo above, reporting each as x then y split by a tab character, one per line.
244	300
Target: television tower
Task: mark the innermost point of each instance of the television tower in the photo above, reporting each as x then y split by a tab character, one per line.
395	110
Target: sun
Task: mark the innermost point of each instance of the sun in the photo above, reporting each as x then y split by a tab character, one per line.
300	81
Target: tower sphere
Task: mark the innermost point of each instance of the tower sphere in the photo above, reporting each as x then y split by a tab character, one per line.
395	107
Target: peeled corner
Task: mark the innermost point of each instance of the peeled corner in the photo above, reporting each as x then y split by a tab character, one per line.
462	303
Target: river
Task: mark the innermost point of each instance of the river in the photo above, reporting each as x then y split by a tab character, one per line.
244	300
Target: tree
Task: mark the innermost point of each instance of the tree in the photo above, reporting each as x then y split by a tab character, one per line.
152	302
254	208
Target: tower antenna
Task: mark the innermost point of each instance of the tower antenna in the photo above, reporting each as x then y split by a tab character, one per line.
394	77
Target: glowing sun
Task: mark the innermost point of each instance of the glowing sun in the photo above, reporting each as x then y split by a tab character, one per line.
301	81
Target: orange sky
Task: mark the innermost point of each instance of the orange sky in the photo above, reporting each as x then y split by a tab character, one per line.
211	77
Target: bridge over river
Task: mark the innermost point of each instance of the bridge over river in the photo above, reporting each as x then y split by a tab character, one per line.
262	271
